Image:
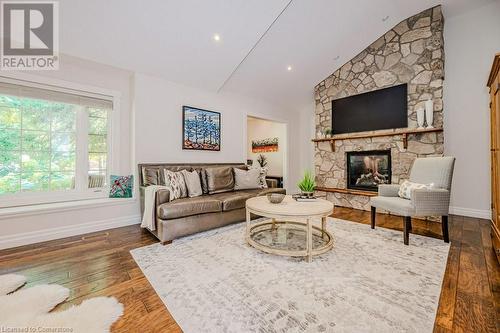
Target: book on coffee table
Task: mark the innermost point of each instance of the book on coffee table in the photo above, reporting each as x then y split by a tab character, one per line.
302	198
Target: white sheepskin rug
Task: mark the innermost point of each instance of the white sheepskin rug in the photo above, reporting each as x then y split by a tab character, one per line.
29	309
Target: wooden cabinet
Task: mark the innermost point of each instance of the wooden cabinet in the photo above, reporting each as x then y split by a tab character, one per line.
494	85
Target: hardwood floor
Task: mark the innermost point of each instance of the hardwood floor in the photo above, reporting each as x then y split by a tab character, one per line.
100	264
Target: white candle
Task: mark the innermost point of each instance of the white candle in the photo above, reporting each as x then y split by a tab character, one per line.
429	112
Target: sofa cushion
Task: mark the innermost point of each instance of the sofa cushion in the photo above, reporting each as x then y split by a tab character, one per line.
237	199
394	205
219	179
174	181
263	173
188	207
203	180
150	176
246	179
193	184
232	200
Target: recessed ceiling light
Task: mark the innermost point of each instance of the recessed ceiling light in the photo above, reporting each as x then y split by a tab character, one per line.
216	37
385	18
289	68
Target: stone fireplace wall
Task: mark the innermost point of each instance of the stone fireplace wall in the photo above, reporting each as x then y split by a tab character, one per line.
412	52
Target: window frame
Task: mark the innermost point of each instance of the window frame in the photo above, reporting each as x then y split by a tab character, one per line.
81	169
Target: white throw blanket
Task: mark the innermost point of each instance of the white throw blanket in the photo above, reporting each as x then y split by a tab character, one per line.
148	220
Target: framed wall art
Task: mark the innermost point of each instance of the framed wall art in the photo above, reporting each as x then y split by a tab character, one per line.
201	129
269	145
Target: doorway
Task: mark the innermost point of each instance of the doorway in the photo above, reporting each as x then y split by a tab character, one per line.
267	146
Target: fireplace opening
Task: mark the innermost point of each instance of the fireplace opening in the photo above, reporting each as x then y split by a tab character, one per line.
368	169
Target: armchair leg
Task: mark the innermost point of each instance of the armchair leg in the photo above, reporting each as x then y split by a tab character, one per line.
406	229
374	211
166	242
444	226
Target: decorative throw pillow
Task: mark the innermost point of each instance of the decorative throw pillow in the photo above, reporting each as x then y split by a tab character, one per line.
193	183
219	179
407	187
182	184
121	186
173	184
246	180
203	179
262	176
150	176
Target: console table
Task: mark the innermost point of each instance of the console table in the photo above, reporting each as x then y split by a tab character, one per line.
279	180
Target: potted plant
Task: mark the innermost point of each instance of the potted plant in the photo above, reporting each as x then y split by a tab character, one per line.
307	184
262	160
328	133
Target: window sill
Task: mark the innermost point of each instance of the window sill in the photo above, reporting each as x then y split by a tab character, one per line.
61	207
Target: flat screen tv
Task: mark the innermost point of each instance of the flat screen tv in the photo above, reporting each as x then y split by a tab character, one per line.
375	110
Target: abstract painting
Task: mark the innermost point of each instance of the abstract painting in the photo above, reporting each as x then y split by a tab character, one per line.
121	186
201	129
265	146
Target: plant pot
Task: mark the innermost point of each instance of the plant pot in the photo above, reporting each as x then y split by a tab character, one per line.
307	194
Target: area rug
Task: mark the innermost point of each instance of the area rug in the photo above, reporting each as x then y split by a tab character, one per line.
28	309
369	282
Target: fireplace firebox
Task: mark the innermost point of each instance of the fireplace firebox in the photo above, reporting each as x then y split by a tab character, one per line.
366	170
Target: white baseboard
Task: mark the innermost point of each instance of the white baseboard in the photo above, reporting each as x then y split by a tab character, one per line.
66	231
471	212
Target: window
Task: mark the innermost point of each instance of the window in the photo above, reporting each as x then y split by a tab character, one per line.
53	145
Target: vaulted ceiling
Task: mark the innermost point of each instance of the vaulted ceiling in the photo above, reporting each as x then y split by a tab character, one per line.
259	39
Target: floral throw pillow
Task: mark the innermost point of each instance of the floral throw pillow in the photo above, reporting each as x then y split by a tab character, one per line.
262	176
407	187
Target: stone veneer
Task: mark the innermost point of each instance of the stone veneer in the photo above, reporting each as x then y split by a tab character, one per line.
412	52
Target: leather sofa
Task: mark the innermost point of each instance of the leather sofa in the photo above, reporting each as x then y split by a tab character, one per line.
186	216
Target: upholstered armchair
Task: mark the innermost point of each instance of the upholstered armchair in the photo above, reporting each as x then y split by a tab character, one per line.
423	202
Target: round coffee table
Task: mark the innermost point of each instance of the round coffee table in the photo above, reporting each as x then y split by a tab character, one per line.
289	221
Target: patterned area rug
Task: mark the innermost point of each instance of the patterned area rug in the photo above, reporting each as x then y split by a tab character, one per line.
369	282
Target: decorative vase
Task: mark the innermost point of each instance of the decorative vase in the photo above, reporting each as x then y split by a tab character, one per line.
420	118
429	112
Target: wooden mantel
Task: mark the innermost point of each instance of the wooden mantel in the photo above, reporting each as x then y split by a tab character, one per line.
404	132
346	191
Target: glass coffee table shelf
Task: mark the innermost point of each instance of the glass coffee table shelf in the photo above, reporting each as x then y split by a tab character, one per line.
289	236
289	229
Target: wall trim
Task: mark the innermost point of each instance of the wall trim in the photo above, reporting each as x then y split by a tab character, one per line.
58	207
32	237
471	212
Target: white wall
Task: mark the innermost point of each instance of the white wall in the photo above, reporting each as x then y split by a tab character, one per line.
32	227
151	112
306	133
259	129
158	125
471	40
